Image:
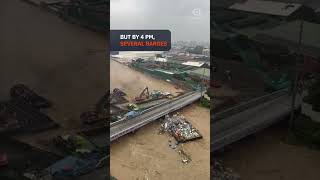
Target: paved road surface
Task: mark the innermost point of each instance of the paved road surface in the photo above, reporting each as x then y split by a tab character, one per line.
130	125
249	121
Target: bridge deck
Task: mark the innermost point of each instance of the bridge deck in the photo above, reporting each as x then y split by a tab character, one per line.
249	121
119	129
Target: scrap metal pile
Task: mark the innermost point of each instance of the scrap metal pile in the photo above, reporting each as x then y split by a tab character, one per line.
22	92
23	111
84	151
82	157
75	144
137	107
146	96
118	97
179	128
101	111
80	153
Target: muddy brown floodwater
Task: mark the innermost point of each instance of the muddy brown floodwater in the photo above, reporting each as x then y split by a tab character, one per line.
146	154
54	58
133	82
266	156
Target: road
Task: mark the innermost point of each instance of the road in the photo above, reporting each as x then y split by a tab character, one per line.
133	124
239	125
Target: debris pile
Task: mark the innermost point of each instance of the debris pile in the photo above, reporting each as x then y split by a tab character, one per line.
122	109
219	172
83	157
159	94
205	101
118	92
90	117
179	128
97	116
23	93
146	96
70	167
103	103
23	111
75	144
118	97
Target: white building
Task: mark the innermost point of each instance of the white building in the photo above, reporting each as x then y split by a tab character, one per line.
206	52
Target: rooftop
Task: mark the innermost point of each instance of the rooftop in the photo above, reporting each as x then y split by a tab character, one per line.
193	63
201	72
267	7
161	59
289	34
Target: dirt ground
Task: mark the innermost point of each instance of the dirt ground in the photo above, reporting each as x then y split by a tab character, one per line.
146	154
267	156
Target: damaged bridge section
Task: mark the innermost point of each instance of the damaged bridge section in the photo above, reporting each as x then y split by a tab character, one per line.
248	118
124	127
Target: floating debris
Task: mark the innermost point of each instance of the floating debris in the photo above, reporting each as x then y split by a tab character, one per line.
113	178
220	172
185	157
173	144
179	128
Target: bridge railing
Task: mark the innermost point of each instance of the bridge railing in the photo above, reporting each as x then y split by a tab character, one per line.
175	105
154	107
246	105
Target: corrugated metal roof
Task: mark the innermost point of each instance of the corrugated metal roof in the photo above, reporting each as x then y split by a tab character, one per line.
161	59
290	31
193	63
288	34
164	71
201	72
267	7
227	3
